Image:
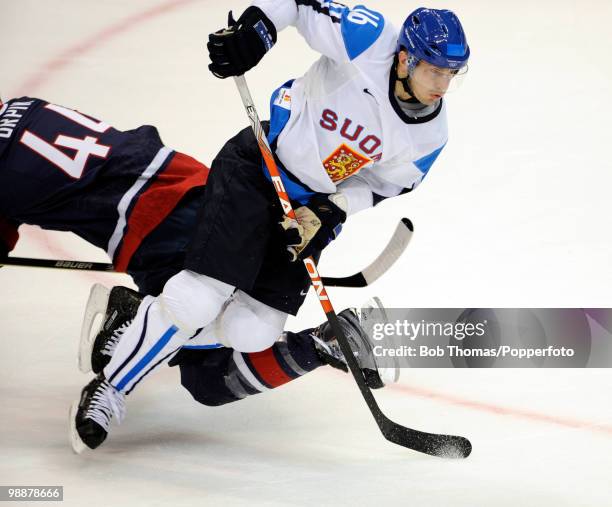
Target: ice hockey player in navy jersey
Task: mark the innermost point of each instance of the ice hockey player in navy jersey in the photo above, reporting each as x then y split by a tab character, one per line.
365	123
122	191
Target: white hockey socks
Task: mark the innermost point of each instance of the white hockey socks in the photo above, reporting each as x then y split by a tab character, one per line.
162	325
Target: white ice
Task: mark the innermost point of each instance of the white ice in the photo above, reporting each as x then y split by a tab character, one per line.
516	212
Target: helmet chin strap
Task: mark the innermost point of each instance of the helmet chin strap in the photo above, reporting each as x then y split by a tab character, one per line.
408	90
405	84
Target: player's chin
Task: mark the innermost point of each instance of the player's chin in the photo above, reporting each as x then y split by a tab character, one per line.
432	98
428	100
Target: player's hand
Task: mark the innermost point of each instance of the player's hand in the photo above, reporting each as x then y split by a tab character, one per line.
240	47
318	223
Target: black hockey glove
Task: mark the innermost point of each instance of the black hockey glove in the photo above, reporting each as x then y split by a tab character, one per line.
320	222
240	47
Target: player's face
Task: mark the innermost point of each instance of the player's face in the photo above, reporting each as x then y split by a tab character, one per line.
431	83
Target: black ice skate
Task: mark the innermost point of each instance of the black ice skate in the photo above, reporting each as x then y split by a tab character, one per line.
90	417
352	320
118	306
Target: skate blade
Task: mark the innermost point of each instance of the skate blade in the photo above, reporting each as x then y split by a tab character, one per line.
96	305
75	440
371	311
389	375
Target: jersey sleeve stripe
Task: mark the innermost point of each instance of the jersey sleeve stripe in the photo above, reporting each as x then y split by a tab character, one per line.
332	9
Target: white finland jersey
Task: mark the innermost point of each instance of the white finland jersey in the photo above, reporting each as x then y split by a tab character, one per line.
344	131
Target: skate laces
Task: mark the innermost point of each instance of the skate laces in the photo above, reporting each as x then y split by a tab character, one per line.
111	344
105	403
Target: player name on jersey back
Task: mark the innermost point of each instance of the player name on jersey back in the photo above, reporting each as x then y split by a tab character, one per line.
10	114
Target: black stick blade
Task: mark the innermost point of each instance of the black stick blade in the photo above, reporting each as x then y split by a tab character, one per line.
442	446
356	280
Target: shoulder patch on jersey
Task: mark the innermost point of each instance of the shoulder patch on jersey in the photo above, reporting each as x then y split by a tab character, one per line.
424	163
360	28
283	98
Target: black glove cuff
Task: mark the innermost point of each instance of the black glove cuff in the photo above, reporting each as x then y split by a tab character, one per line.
256	19
327	210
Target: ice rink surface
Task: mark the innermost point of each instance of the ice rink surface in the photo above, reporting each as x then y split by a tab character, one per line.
515	213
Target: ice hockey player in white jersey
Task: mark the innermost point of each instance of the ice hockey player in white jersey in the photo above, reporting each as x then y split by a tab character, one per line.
365	123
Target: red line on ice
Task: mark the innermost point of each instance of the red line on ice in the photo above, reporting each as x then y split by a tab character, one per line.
66	57
498	410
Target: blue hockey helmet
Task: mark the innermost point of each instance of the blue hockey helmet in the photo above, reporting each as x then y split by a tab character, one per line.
435	36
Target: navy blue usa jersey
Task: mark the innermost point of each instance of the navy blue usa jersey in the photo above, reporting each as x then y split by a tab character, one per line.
64	170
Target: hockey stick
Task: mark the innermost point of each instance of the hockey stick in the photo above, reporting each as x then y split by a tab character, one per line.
429	443
57	264
396	246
